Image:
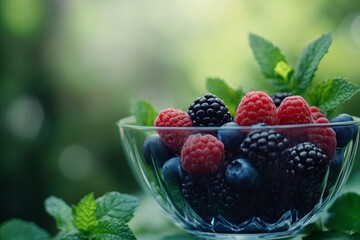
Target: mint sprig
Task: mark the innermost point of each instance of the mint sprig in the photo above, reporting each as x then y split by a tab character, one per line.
104	218
330	93
327	95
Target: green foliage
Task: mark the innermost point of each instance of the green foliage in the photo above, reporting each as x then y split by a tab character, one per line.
17	229
345	213
343	221
102	219
299	81
331	93
62	213
222	90
116	205
85	213
268	56
309	61
144	112
112	229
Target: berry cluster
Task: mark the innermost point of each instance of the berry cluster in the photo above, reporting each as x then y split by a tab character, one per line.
236	173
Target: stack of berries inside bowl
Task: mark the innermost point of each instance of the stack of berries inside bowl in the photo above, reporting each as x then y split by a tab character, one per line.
239	167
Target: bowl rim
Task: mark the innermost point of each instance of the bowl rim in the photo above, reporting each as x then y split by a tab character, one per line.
129	123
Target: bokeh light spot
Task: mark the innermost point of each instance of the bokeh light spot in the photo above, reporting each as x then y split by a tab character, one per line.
355	29
75	162
25	117
22	17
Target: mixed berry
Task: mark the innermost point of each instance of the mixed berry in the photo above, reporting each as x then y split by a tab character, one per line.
234	174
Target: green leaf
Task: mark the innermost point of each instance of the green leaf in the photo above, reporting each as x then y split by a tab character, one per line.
331	235
269	58
112	229
308	62
221	89
62	213
344	214
85	213
284	70
144	112
69	236
116	205
17	229
330	93
266	54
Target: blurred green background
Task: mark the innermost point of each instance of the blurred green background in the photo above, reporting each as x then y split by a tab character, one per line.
68	70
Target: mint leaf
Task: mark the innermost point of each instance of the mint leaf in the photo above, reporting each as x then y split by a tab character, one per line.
110	230
345	213
221	89
116	205
62	213
17	229
330	93
308	62
85	213
144	112
69	236
268	56
331	235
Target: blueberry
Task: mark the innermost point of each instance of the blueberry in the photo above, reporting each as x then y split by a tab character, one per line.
154	148
230	136
335	168
172	171
240	174
344	134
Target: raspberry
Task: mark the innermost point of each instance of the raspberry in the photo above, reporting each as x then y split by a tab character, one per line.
209	110
256	107
316	113
279	97
306	170
170	117
294	110
324	138
202	154
267	151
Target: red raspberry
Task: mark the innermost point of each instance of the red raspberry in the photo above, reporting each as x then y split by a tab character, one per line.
294	110
170	117
316	113
202	154
256	107
324	138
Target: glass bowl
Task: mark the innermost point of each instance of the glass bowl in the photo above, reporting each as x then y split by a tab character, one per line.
270	181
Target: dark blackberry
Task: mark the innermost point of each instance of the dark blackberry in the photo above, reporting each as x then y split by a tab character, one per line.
212	198
278	97
306	170
268	151
209	110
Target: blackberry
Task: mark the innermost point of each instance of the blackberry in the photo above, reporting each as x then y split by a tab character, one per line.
209	110
306	170
278	97
267	150
213	199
